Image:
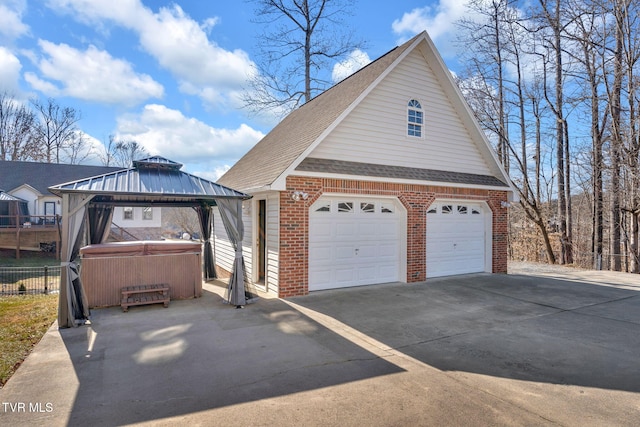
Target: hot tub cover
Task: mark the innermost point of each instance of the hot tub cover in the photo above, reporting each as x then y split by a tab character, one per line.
139	248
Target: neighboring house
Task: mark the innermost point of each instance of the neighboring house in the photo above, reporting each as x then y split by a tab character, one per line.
30	181
385	177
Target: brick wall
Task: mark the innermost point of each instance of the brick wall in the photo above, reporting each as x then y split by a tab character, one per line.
294	223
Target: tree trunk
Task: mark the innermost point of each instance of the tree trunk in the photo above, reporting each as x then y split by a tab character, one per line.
616	142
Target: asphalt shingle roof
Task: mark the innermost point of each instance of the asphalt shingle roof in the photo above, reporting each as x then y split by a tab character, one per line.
399	172
41	176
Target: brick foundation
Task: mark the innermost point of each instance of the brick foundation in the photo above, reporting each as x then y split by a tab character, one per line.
294	223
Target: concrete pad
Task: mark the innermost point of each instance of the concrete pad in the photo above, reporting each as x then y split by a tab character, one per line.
480	349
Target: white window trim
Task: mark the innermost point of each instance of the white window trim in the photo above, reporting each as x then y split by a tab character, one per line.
421	110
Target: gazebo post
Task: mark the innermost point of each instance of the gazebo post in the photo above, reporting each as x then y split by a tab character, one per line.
63	306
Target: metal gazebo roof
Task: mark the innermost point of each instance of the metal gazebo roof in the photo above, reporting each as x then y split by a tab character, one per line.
6	197
154	179
151	181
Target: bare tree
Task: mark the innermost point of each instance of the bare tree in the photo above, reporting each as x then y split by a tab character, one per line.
589	36
16	130
627	19
181	219
301	39
552	22
55	128
495	41
77	149
108	158
125	152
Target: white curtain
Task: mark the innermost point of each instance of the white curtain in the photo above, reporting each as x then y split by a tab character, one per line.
73	308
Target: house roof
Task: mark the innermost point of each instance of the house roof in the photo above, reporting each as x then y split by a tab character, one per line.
266	161
40	176
396	172
285	149
154	179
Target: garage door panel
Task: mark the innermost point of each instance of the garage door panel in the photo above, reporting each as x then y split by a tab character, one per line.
358	247
367	230
456	239
388	250
366	275
344	230
322	253
344	275
344	253
367	253
387	273
321	276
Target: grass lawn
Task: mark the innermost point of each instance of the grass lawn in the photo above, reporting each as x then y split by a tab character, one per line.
24	318
27	259
24	321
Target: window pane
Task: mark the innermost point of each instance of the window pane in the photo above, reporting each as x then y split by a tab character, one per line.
367	207
127	213
345	207
447	209
147	213
414	130
387	208
462	209
324	208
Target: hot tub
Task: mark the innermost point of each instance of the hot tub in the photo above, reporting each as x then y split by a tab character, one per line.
107	268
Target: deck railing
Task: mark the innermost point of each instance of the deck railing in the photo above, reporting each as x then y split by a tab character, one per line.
28	221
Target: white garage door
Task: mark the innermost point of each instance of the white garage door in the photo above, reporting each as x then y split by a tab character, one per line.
353	242
456	238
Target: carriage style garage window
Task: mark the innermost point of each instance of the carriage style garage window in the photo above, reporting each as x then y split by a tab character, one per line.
414	118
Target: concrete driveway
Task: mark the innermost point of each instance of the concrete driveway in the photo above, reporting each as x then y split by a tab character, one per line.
558	348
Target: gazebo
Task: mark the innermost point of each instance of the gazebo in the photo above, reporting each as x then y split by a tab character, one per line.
87	209
13	210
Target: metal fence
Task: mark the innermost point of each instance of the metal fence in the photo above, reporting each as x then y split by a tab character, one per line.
29	280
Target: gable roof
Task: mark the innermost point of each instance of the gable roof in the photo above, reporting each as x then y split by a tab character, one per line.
264	163
284	150
41	176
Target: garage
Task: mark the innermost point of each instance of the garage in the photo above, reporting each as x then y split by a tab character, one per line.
355	241
457	238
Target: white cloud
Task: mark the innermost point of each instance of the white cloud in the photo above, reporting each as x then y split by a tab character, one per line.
438	20
178	43
9	70
356	60
167	132
92	75
11	25
214	173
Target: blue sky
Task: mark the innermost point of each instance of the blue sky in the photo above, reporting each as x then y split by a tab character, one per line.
169	74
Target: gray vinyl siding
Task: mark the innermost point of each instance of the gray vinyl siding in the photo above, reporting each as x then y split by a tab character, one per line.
273	242
224	250
376	130
224	253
